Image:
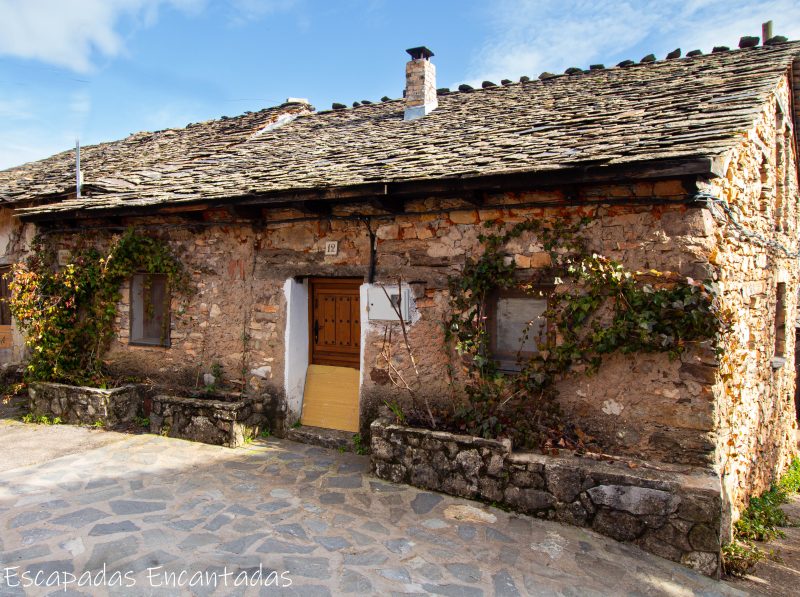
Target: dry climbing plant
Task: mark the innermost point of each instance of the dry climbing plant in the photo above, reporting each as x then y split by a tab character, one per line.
597	307
67	313
395	375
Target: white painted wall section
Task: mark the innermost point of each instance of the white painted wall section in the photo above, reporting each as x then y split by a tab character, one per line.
364	314
296	343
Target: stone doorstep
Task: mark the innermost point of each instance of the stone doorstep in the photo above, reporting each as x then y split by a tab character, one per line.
319	436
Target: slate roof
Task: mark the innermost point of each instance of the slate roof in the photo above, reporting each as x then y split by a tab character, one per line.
673	109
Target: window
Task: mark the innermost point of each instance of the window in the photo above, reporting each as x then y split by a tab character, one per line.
5	295
5	311
780	320
516	326
150	310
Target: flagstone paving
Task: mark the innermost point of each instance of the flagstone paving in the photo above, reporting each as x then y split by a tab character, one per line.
150	505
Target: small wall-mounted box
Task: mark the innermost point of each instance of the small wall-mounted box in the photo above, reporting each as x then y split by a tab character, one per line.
380	309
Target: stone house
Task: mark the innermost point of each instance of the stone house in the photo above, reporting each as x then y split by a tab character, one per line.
293	221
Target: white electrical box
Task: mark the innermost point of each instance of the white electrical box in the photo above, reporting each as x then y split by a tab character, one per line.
380	309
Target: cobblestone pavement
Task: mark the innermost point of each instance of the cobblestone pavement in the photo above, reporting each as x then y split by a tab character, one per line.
316	515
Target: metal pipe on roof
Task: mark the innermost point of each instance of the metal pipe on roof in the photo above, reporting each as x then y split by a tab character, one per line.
766	31
77	168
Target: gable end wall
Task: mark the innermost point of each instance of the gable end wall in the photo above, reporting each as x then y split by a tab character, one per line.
754	400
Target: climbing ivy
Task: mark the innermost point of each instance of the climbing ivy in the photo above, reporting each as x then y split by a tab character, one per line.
596	307
67	313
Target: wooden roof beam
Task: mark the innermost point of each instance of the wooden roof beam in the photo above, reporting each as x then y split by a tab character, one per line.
393	205
314	207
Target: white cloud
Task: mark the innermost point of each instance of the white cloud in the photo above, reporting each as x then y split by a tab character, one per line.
15	109
80	103
245	11
531	36
71	33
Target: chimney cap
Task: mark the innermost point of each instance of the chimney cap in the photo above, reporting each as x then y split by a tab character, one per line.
420	52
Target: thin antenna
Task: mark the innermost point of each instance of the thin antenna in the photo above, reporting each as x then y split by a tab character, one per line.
78	168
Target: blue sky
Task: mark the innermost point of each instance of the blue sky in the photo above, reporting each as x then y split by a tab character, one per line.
102	69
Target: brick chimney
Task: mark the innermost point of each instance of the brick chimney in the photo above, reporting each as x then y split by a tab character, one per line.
420	84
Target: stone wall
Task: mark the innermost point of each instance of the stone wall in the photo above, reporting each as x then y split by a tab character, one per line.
754	412
85	406
236	313
211	421
728	412
672	512
15	239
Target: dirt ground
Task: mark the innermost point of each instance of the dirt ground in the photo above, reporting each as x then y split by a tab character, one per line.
25	445
780	574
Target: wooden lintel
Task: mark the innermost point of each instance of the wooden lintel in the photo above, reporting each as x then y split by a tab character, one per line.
248	212
394	205
179	209
113	220
192	216
476	198
319	208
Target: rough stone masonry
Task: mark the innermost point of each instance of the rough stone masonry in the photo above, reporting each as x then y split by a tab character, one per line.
672	512
726	409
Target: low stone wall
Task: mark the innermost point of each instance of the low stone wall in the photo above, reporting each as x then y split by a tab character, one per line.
84	405
220	422
673	512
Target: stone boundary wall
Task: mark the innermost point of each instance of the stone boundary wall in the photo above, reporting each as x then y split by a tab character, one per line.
83	405
675	514
218	422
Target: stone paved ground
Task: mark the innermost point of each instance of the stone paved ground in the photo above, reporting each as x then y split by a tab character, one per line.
151	502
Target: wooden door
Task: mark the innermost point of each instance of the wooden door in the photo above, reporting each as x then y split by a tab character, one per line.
335	322
330	398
